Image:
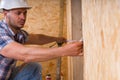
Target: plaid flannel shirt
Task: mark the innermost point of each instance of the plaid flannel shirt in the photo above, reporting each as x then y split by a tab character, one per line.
6	64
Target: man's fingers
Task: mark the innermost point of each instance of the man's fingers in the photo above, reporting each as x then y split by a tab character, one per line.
81	54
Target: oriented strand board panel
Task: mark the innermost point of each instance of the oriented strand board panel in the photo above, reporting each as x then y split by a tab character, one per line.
75	64
44	18
101	32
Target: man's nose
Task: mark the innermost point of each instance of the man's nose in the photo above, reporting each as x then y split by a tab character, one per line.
23	16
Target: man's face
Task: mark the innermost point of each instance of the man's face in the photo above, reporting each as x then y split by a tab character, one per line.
16	17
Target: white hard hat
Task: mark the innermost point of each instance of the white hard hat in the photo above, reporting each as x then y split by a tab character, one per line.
12	4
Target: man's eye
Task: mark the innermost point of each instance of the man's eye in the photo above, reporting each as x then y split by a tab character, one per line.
18	13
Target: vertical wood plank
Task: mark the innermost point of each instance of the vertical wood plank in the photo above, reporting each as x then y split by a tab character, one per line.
75	64
69	36
101	31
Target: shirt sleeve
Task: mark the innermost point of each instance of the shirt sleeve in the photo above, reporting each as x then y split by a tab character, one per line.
4	38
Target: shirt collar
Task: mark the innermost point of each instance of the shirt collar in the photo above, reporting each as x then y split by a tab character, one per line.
7	27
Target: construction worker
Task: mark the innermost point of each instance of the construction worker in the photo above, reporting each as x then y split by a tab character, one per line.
12	39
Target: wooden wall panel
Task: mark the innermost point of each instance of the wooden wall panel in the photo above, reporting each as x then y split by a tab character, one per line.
75	64
44	18
101	32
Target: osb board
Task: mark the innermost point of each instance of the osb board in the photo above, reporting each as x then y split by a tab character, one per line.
74	28
101	29
44	17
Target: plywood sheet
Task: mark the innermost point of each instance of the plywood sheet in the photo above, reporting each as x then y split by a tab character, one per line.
101	29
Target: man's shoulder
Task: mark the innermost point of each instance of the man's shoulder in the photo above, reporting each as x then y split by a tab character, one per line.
3	26
2	23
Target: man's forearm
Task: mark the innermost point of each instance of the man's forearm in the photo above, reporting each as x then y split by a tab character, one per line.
43	54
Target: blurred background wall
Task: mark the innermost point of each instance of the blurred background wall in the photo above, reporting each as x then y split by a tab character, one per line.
44	18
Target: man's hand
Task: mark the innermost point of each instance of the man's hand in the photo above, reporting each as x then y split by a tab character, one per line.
74	48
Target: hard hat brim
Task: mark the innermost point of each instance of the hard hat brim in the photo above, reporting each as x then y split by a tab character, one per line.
28	7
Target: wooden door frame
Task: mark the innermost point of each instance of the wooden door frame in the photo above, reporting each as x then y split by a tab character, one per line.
74	27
